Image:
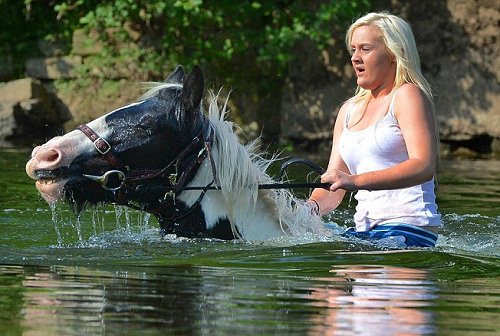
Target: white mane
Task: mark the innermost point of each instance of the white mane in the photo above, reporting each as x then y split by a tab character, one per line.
255	215
154	87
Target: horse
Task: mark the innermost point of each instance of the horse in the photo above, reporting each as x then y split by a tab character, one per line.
163	155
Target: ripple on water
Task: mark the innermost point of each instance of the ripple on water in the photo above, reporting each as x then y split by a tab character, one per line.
470	233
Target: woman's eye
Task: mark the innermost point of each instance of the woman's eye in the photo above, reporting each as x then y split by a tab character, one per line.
364	49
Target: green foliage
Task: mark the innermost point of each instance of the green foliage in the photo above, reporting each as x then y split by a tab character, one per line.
243	44
227	33
20	28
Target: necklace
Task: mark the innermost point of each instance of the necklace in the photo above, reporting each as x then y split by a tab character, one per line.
362	135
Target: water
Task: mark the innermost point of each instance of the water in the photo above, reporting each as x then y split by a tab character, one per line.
108	272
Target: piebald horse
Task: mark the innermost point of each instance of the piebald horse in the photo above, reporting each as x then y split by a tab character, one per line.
162	155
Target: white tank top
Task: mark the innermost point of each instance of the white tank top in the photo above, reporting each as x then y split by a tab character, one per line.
377	147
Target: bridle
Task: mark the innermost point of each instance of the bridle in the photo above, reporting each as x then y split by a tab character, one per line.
124	182
116	179
159	188
101	145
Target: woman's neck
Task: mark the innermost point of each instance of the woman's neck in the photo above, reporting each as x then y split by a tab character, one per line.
380	93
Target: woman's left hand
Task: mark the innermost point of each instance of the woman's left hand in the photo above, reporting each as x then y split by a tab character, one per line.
339	180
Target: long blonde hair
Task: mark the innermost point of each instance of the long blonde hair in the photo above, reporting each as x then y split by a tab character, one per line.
399	41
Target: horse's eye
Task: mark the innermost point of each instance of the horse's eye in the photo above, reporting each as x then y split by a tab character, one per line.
148	123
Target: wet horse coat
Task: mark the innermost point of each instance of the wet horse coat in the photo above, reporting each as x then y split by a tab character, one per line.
164	141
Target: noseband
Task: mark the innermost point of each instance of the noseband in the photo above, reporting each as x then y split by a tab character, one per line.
100	144
125	182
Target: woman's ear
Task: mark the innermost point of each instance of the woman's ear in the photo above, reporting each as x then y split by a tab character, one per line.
392	57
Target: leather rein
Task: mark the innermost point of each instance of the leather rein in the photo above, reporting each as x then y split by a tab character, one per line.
147	183
123	181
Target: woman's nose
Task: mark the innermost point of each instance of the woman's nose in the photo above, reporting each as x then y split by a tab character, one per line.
355	56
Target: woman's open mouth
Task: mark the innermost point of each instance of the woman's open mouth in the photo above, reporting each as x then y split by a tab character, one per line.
359	70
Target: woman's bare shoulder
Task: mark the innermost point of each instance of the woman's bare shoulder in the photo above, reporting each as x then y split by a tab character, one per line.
341	115
344	107
409	97
409	91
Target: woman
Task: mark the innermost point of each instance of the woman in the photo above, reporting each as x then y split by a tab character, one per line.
385	138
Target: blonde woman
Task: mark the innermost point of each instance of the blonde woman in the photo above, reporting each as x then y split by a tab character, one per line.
385	138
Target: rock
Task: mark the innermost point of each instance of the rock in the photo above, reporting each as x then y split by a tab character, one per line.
7	120
86	43
22	89
53	67
28	113
51	48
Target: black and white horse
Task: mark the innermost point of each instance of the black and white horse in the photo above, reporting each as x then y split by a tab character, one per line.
162	155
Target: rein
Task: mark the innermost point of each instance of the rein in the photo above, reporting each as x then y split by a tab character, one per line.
285	185
124	182
115	180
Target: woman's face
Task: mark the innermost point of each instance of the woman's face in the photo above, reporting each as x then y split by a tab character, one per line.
374	65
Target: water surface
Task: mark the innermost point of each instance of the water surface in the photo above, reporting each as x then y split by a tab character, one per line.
109	272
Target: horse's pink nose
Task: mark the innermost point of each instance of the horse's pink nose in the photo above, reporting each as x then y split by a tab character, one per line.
47	157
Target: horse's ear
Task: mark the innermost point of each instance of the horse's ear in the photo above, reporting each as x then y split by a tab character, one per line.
177	76
193	87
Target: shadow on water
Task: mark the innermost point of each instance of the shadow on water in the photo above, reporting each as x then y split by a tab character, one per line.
109	272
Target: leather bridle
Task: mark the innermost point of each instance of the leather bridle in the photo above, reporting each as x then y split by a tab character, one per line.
100	144
161	186
172	178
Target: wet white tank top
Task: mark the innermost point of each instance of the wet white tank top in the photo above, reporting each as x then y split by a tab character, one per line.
377	147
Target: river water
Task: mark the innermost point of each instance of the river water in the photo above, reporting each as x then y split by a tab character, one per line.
109	273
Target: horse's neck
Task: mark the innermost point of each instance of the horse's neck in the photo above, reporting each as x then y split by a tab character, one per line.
252	213
249	220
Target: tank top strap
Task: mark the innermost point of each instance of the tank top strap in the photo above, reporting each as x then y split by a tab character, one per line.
391	105
348	112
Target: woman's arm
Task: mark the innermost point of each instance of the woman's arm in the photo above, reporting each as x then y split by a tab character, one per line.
328	200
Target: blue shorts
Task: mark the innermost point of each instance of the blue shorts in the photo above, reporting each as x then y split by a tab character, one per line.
408	235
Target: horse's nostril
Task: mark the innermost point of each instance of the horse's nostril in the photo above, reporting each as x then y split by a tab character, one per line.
49	155
53	156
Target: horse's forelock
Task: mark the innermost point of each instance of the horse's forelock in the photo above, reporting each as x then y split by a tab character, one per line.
154	89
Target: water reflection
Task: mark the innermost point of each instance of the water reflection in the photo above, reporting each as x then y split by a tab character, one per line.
128	282
375	300
189	300
55	306
76	301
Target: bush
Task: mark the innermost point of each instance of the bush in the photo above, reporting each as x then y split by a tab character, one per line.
247	44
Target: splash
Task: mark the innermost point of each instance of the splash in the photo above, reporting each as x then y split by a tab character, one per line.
470	234
90	228
55	221
78	226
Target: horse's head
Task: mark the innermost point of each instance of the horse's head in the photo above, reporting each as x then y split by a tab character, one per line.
141	139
